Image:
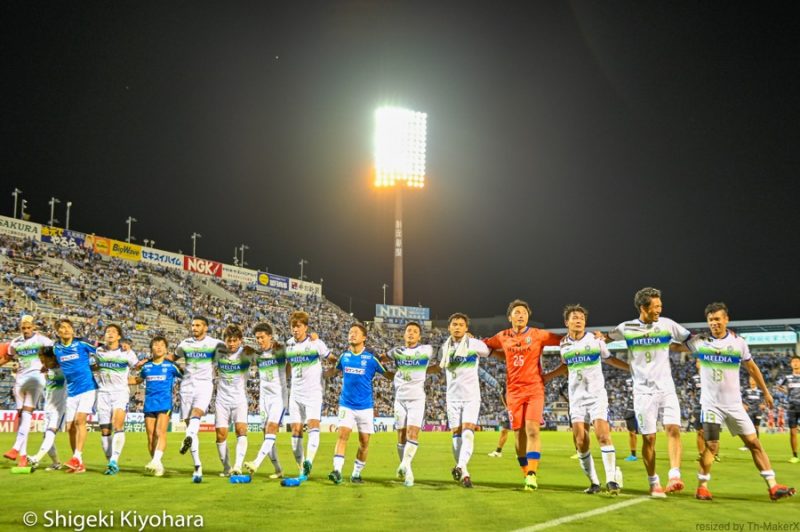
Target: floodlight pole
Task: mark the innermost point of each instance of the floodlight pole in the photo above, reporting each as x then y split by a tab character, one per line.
195	236
130	221
302	263
52	204
16	195
397	286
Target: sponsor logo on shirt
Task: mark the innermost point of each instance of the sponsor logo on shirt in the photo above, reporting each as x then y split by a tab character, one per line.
355	371
646	341
724	359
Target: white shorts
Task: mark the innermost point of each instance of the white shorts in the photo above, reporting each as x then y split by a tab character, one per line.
227	413
735	417
460	412
54	417
589	411
649	407
361	420
272	409
81	403
302	410
409	413
108	402
195	395
28	390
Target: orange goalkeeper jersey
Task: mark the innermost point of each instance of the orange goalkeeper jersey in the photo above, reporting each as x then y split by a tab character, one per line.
523	353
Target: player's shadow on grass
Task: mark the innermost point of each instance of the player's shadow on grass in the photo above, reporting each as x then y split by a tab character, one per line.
445	485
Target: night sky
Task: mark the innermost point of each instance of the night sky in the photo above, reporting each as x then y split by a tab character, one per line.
576	151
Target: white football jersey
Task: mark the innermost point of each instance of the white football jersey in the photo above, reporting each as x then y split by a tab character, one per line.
463	383
648	347
411	368
200	355
720	359
114	369
305	360
272	374
27	353
232	372
583	360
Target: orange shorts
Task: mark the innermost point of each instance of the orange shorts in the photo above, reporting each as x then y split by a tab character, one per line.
528	408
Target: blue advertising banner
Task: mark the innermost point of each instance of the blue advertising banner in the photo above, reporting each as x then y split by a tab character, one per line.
770	338
270	280
64	238
397	315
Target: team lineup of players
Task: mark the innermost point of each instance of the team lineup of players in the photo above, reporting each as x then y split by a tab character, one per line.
78	378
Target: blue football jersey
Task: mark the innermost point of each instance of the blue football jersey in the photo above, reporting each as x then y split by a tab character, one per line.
159	380
357	373
75	362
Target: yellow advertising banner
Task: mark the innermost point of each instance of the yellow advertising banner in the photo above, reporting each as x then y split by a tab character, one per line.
102	245
123	250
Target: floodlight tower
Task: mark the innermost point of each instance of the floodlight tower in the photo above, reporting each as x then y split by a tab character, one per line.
400	140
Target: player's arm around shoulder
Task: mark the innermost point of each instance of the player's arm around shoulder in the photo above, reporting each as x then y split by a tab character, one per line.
617	363
687	345
433	362
615	334
548	337
496	345
332	371
249	353
328	357
680	337
609	358
7	351
480	347
94	359
221	350
388	357
601	336
380	368
137	379
133	360
179	353
176	369
559	371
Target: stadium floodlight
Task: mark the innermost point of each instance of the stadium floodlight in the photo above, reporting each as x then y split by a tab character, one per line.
302	264
69	206
400	144
195	236
16	195
130	221
53	201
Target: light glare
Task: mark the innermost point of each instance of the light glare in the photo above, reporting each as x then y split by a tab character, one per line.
400	142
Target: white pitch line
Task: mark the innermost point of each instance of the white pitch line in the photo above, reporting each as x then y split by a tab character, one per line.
583	515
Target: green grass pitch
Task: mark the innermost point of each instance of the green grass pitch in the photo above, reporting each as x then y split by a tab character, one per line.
383	503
